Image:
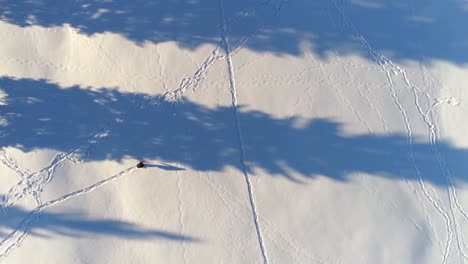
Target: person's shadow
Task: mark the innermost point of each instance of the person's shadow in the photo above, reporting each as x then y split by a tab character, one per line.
166	167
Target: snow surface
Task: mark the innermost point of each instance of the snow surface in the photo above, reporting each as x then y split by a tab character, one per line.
272	131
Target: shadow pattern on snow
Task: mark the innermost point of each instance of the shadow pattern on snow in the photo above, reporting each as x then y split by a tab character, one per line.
37	114
416	30
79	225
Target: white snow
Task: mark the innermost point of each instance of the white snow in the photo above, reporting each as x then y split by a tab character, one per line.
272	131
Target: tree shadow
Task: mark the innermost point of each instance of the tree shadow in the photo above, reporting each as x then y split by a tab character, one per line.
79	225
41	115
416	30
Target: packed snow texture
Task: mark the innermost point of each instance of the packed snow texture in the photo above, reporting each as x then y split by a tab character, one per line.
272	131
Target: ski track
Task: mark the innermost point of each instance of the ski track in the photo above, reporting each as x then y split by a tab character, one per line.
180	208
14	239
389	67
233	91
421	182
386	128
34	183
37	181
177	95
229	201
429	119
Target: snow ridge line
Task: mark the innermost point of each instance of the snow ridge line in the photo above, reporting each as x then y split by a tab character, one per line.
233	91
25	226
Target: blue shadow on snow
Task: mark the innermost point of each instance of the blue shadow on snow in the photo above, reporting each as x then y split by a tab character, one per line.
45	224
41	115
402	30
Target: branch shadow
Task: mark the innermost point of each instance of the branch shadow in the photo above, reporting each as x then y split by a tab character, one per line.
37	114
416	30
78	225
